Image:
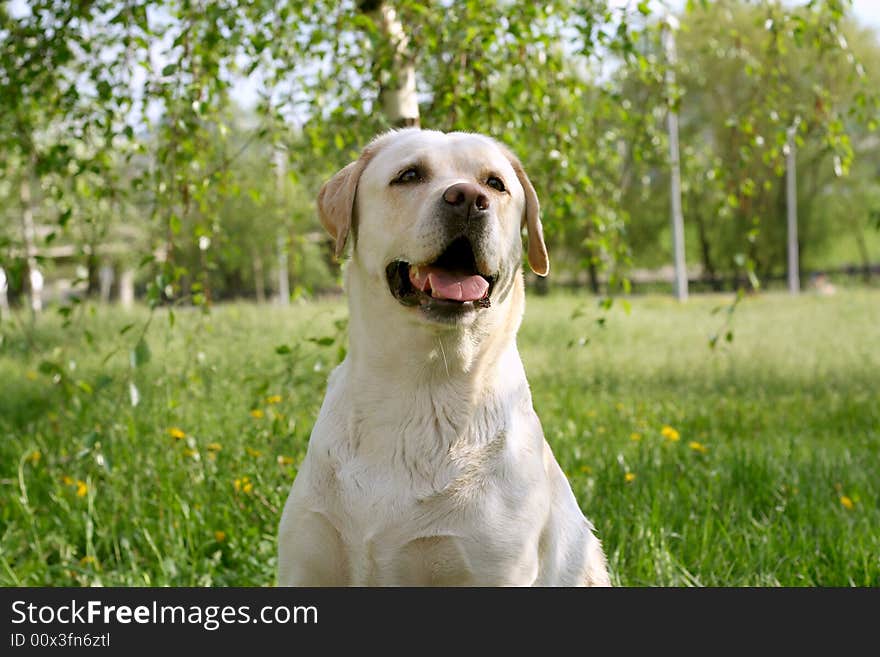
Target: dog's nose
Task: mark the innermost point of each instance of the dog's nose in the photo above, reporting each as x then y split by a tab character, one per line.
466	198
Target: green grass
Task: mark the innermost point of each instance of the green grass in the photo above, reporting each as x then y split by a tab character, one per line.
779	432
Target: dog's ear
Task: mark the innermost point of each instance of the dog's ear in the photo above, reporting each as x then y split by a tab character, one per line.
336	200
538	259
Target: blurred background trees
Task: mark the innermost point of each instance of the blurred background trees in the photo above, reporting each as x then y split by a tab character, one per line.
173	149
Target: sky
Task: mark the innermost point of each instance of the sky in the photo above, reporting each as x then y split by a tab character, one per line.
868	12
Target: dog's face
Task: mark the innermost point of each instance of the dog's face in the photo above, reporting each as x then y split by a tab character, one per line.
437	220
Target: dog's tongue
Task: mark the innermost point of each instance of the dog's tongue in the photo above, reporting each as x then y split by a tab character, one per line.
450	285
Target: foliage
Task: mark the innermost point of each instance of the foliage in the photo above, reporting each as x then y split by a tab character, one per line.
749	85
121	120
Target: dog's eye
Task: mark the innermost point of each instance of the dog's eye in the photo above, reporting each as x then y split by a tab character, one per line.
496	183
411	175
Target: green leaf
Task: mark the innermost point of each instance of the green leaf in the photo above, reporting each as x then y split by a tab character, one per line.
48	367
103	381
140	355
753	279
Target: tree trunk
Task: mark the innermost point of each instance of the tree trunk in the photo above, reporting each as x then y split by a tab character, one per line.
33	279
259	277
106	278
93	267
205	274
281	240
126	288
793	250
592	271
283	271
4	300
706	251
397	95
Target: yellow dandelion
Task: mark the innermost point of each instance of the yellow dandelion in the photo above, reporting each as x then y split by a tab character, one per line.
629	477
255	453
635	437
698	447
243	485
31	375
257	413
177	433
586	469
670	434
82	488
191	453
273	399
67	480
34	457
213	447
847	502
285	460
86	560
219	536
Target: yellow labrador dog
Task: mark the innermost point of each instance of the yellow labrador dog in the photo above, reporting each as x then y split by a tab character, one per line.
427	464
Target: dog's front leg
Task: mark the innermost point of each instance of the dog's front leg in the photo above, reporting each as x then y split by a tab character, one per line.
310	550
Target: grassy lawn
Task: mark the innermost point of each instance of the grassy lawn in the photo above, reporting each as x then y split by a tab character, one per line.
756	463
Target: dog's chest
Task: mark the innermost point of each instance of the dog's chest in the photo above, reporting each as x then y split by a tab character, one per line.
468	533
462	517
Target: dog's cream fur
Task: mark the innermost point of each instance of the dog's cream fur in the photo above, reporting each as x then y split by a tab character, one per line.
427	464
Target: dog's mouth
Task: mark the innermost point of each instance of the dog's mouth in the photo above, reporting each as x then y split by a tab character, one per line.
452	282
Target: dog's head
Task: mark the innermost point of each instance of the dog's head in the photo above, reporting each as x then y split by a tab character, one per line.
436	219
